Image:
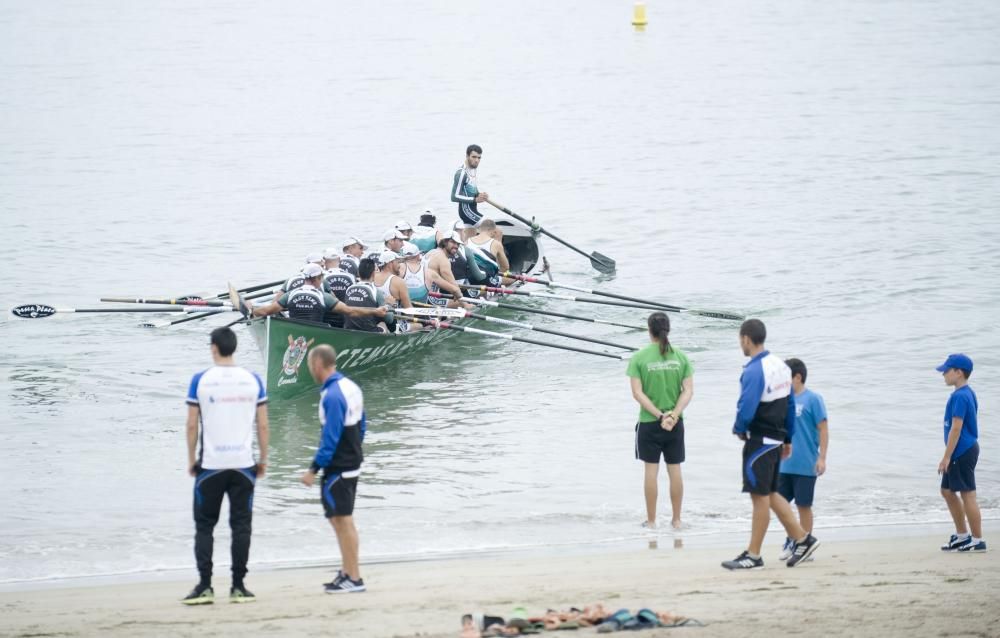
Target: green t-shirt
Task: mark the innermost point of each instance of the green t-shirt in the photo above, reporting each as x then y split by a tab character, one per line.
661	376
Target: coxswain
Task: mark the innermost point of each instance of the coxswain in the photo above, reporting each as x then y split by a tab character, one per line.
465	190
309	302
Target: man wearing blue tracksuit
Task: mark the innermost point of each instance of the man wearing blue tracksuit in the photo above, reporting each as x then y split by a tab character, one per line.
342	413
765	422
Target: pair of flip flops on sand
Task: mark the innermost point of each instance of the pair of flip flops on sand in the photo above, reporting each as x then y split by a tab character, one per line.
575	618
643	619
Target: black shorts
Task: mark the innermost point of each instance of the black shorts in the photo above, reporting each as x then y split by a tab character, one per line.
652	441
961	474
761	464
338	492
797	487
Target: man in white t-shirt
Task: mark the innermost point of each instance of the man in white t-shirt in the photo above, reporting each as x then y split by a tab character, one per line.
225	400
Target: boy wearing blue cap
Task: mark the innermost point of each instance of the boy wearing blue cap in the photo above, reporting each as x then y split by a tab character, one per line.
958	465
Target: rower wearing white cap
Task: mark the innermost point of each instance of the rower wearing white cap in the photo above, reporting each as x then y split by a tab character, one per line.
308	302
354	250
393	240
414	272
389	281
297	280
405	229
440	276
336	282
425	235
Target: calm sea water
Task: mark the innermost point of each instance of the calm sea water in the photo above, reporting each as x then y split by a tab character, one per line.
830	168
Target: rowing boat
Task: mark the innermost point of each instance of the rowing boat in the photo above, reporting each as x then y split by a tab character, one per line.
284	343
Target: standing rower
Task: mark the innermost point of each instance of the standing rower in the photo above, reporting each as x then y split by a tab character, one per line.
465	190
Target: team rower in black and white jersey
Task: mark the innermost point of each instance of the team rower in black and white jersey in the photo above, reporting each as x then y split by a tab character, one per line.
364	295
465	190
298	279
354	249
425	236
415	273
404	228
309	302
337	281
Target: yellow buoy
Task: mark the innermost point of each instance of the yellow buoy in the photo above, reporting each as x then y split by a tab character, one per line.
639	14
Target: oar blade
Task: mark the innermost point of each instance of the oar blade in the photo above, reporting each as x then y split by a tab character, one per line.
602	263
33	311
238	302
717	314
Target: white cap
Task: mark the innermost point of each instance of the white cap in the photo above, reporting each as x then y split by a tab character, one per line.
314	258
387	257
456	237
402	225
392	233
350	241
331	253
311	270
409	249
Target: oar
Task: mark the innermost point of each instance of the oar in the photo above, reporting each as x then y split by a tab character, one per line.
539	311
717	314
223	295
509	337
169	302
549	295
40	311
527	326
195	317
600	262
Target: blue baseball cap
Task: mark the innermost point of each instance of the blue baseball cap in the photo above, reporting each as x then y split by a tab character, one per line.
959	361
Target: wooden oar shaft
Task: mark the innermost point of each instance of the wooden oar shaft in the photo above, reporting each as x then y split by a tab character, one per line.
169	302
558	333
539	311
544	295
509	337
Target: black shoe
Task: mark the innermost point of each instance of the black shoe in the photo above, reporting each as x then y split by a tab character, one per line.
336	579
743	561
240	594
200	595
345	585
803	550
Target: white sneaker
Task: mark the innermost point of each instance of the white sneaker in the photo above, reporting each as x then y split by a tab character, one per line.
786	549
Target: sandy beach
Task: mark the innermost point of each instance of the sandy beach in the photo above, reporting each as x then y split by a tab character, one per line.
885	587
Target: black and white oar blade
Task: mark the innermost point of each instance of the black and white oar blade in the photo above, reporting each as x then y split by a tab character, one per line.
238	302
717	314
33	311
602	263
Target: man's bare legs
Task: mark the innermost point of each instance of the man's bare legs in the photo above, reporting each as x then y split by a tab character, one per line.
762	507
650	490
956	509
975	518
676	493
347	538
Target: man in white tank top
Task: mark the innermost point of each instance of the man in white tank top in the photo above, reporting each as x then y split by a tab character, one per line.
487	248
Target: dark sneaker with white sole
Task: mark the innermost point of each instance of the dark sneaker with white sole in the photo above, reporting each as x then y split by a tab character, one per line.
743	561
344	584
240	594
969	548
336	579
200	595
955	543
802	551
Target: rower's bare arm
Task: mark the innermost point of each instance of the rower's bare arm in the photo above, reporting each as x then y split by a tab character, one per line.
272	308
400	292
501	256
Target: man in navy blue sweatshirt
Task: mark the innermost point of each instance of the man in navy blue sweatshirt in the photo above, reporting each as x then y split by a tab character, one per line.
765	422
342	413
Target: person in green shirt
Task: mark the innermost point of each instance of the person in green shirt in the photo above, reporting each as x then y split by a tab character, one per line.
662	381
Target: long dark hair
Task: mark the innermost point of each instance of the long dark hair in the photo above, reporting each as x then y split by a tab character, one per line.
659	328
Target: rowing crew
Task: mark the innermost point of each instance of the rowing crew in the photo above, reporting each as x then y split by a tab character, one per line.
355	292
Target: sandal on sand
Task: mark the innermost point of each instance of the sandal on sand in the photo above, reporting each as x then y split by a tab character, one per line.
644	619
615	622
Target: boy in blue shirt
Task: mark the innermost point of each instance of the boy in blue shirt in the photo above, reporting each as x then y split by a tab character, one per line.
797	480
958	465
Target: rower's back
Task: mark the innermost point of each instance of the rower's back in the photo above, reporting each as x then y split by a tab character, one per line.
363	294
